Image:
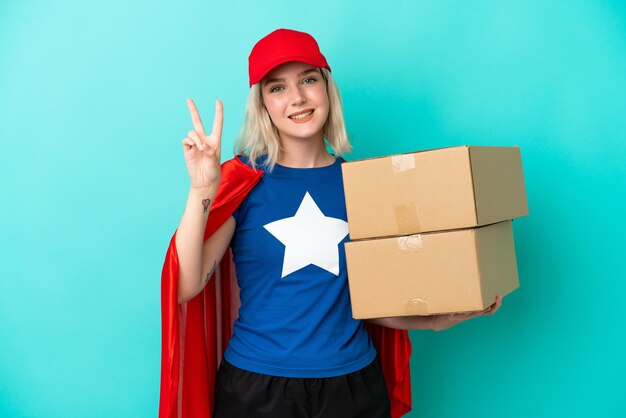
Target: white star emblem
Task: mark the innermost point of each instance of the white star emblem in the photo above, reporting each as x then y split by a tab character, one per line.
309	238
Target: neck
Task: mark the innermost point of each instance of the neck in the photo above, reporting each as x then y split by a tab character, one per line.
307	153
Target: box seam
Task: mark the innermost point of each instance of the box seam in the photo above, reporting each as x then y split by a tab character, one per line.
474	198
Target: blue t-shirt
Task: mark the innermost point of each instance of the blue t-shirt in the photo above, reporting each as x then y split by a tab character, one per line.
295	318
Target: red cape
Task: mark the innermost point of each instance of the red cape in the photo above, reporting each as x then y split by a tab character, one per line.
196	333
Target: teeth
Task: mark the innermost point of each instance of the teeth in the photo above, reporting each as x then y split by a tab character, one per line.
302	115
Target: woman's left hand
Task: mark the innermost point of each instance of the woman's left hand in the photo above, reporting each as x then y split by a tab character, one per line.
445	321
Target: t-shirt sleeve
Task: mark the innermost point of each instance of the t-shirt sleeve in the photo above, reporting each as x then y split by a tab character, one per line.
238	212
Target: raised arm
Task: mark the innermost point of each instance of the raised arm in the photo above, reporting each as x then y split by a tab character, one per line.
202	157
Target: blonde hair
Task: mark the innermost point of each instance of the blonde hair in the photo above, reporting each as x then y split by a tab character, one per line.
259	137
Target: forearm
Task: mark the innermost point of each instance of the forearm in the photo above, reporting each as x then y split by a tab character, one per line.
437	322
407	322
190	240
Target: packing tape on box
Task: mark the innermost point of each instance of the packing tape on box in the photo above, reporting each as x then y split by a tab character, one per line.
410	242
406	218
416	306
402	163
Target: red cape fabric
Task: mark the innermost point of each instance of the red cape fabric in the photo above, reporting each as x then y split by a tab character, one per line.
196	333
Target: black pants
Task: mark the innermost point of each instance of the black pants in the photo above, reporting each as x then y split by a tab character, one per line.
243	394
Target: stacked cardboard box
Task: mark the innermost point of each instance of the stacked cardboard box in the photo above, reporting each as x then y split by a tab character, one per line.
431	231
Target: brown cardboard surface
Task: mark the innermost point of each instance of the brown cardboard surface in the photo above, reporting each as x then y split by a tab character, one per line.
433	190
499	189
430	273
497	263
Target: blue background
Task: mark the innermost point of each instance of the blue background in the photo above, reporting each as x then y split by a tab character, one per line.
93	181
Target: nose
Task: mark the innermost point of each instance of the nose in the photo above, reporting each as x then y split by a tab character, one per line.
298	96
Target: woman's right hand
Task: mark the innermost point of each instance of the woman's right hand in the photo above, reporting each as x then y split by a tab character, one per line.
202	151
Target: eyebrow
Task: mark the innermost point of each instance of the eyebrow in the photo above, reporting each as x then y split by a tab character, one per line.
274	80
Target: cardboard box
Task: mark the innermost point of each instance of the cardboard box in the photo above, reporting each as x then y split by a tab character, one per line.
433	190
430	273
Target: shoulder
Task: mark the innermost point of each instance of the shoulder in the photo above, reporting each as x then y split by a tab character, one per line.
239	158
239	161
243	160
238	170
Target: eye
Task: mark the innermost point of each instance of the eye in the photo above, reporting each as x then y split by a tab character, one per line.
276	88
309	80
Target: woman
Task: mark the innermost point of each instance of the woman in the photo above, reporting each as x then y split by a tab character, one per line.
295	351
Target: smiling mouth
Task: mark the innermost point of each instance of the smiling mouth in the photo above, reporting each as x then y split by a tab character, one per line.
300	116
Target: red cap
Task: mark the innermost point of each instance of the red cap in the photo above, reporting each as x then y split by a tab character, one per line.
280	46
